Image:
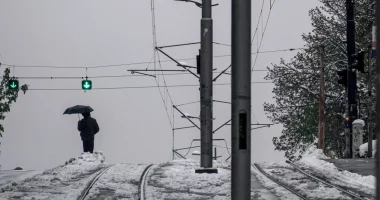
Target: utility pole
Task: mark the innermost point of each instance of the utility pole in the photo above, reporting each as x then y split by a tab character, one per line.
321	128
351	73
371	54
377	105
369	104
206	85
241	100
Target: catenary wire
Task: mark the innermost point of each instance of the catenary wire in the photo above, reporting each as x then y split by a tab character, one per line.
139	87
136	63
262	37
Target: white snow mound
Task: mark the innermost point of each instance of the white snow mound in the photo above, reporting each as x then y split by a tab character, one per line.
359	121
313	152
363	149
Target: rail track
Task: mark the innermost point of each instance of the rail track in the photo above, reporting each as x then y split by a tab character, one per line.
316	179
343	190
93	181
279	183
141	192
142	182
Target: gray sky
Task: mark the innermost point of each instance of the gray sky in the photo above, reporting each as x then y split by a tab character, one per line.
133	122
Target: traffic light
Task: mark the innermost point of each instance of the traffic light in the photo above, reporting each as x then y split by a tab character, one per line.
342	77
13	84
199	63
359	64
86	84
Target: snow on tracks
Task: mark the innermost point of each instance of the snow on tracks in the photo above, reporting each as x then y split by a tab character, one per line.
63	182
304	185
121	181
177	180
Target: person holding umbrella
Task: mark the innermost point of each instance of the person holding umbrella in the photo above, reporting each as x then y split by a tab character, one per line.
87	126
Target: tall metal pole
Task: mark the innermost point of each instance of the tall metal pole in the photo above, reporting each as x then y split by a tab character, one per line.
206	84
321	141
351	74
241	100
377	104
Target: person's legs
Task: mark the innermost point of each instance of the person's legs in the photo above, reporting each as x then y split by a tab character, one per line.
87	146
91	146
84	145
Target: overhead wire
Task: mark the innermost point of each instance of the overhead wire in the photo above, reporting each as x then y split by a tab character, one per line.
263	33
155	53
139	87
253	38
136	63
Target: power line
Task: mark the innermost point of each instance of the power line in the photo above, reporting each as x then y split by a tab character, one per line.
262	37
258	22
135	87
108	76
135	63
155	53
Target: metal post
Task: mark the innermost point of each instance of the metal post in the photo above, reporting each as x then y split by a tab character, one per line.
350	73
377	105
241	100
369	104
206	85
321	141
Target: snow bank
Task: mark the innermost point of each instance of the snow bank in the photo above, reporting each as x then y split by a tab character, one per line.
312	160
363	149
315	153
64	182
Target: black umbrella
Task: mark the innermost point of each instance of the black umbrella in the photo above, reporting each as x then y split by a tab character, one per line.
78	109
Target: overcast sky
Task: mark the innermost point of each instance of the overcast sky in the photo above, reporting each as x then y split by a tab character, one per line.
134	126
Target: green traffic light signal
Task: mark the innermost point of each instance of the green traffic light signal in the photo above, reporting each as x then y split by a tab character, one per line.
86	84
13	84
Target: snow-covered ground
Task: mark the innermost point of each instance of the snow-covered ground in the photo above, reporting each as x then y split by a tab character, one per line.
276	189
120	181
15	176
178	180
312	161
311	189
64	182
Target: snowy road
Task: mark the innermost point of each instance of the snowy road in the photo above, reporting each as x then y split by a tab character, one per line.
361	166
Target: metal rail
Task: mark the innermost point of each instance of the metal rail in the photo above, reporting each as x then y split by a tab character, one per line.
279	183
345	191
93	181
142	182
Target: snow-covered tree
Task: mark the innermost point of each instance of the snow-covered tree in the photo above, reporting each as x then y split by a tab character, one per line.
7	97
296	90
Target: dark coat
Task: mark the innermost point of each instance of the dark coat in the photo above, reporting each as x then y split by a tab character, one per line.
88	127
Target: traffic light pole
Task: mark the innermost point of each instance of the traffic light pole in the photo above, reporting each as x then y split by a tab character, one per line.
351	74
241	100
